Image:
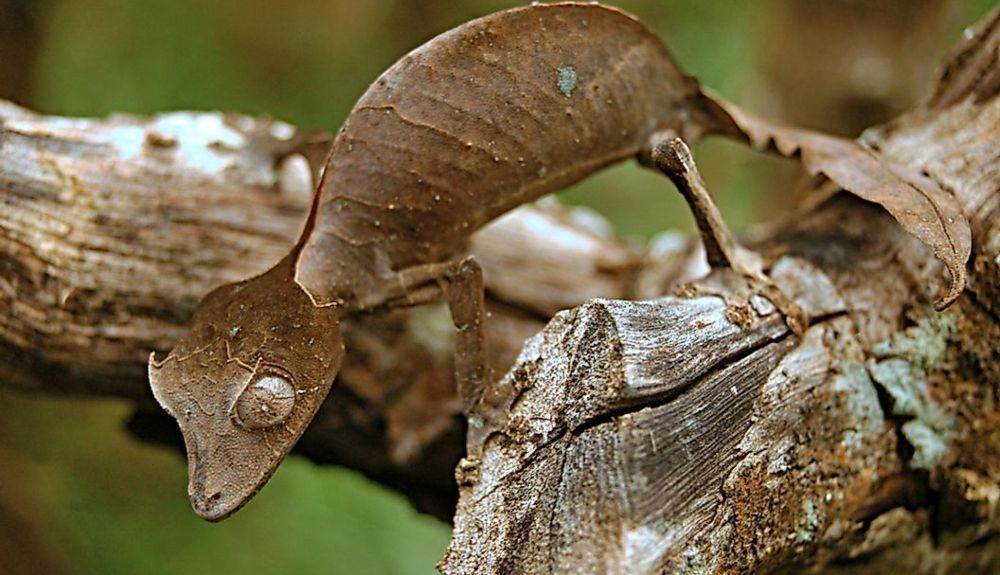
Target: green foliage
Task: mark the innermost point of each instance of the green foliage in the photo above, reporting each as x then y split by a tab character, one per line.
112	505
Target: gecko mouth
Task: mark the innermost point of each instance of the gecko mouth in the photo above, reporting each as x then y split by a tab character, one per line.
210	505
211	500
220	481
212	508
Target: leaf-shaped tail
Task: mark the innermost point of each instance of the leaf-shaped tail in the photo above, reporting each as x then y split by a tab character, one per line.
917	202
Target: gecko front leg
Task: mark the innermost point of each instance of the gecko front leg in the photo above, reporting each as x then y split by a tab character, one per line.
466	295
671	156
459	283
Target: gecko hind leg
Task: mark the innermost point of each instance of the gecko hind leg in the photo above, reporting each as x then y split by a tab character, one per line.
671	156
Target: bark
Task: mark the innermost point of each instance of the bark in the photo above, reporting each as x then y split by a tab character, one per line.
689	433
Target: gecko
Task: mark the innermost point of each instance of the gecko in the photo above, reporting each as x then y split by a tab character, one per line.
485	117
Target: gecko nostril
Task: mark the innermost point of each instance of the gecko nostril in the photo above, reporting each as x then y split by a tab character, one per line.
266	402
206	501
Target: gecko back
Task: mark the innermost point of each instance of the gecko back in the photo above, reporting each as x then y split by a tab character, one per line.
483	118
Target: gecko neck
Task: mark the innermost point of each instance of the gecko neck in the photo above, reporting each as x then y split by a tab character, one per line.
336	271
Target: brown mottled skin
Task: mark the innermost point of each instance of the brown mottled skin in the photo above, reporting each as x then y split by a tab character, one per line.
475	123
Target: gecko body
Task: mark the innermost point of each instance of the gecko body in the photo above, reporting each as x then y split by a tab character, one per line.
488	116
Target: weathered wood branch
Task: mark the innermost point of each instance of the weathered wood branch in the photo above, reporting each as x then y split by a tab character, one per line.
693	433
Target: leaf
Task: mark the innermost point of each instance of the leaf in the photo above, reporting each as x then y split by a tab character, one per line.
917	202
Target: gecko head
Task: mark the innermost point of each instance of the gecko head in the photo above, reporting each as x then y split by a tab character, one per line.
244	383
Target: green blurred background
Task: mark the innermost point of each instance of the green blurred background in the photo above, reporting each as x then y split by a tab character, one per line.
79	496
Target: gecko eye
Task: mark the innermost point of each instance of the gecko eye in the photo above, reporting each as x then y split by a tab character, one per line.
267	401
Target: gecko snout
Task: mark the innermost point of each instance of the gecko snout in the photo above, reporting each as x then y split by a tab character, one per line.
211	506
244	383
